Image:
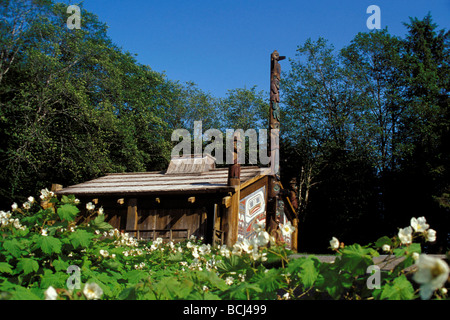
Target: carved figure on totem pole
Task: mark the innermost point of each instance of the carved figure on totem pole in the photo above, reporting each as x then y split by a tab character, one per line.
275	78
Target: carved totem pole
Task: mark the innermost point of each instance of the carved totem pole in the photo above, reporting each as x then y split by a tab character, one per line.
274	123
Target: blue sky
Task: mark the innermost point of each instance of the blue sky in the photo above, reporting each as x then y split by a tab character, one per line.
226	44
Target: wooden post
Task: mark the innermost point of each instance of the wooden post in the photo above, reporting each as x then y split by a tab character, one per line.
56	187
234	170
231	219
235	216
132	215
274	186
294	239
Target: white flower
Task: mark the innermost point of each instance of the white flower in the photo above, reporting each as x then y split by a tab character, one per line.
195	253
334	243
30	199
27	205
104	253
419	224
259	226
405	235
386	248
100	211
237	249
92	291
17	224
415	256
248	246
263	238
44	232
205	249
14	206
257	255
287	229
76	201
286	296
430	235
50	293
224	251
229	281
432	274
45	194
90	206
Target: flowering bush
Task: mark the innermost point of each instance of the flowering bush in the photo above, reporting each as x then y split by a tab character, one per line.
49	251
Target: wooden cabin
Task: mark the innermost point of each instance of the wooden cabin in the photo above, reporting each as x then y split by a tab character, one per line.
192	197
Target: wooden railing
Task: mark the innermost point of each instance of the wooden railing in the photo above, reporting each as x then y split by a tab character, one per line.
138	233
218	237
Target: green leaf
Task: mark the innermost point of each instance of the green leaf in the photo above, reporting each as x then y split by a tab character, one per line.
68	212
332	280
21	293
399	289
56	280
243	291
135	276
270	282
99	223
60	265
81	238
355	259
13	247
49	244
175	257
128	294
5	268
414	247
27	265
231	264
67	199
382	241
168	288
309	272
399	252
211	278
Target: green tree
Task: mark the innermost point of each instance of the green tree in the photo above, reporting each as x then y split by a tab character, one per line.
316	112
373	66
73	105
425	126
244	109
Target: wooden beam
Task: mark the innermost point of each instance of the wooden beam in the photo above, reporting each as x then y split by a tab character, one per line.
226	201
250	181
56	187
294	236
132	215
231	220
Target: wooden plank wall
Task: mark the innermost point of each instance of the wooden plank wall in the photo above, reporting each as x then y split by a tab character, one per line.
172	219
167	213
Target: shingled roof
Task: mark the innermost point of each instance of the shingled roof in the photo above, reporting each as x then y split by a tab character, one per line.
142	183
